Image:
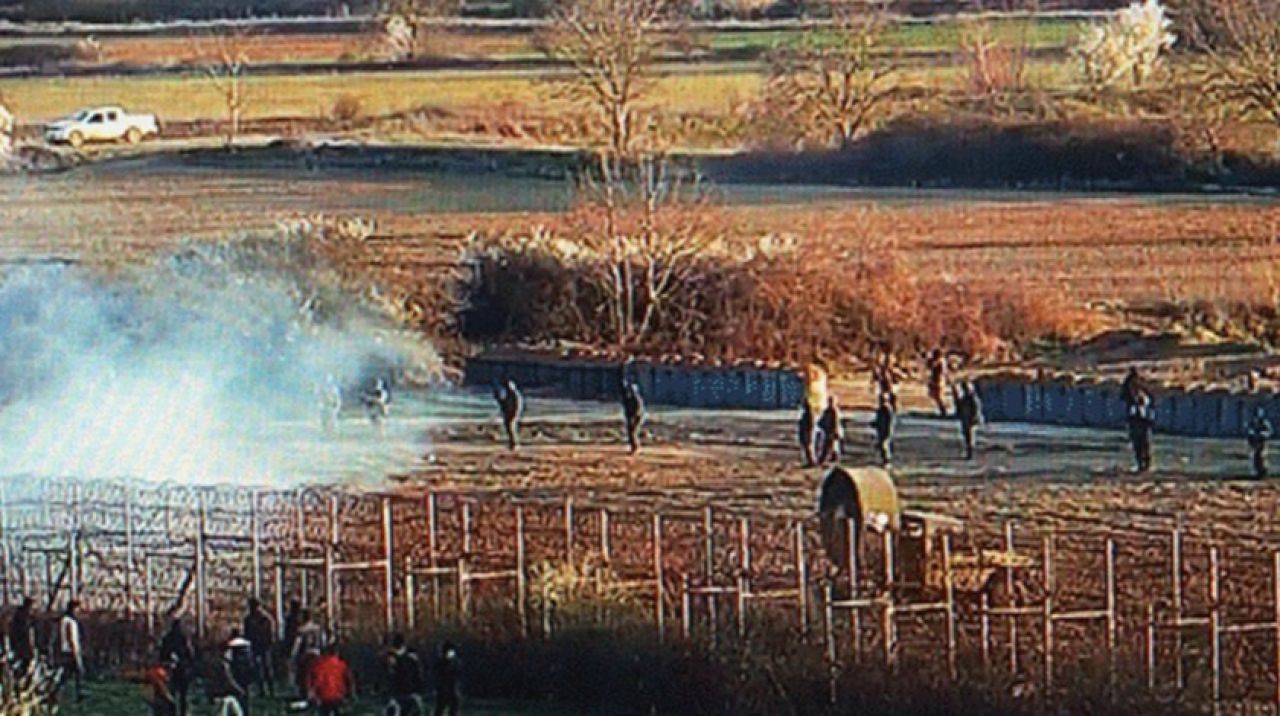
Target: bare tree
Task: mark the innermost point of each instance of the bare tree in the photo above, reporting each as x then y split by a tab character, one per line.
611	47
834	82
1241	43
228	66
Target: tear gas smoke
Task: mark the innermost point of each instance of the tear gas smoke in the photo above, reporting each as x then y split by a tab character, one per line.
209	365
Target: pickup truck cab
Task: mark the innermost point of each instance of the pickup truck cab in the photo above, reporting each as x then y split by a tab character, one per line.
102	124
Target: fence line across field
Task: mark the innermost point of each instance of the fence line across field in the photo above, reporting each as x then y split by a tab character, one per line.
380	561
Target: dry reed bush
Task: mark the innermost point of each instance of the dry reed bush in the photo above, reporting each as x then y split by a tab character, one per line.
778	298
27	694
577	592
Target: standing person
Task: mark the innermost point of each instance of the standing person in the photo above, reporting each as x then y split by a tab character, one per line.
240	653
377	402
968	407
225	689
510	405
806	433
160	699
937	366
632	413
884	376
1259	433
306	649
22	636
331	400
404	678
832	432
446	671
179	660
70	654
882	423
289	637
330	683
1132	387
260	630
1141	421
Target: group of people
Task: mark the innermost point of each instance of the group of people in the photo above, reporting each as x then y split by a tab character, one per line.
322	679
375	398
1141	418
243	665
65	647
511	408
884	379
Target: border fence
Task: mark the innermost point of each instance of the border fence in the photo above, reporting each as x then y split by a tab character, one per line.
1188	615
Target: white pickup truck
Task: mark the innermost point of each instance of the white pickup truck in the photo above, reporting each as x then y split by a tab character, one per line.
102	124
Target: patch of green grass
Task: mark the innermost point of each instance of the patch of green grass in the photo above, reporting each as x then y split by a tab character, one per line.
915	37
120	698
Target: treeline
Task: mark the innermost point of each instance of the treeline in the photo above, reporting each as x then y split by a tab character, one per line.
125	11
113	11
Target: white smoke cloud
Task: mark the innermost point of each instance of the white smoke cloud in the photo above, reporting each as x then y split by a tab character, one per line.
209	366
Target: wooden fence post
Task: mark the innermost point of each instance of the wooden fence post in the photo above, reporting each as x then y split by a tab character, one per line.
660	596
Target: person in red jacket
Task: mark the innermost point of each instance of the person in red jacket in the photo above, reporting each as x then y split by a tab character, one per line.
330	684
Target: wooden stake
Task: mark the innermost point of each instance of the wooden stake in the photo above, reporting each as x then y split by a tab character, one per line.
949	600
660	596
522	579
389	572
802	579
1009	545
1215	630
1111	616
1047	637
744	571
569	536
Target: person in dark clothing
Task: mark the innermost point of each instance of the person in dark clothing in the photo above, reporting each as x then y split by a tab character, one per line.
22	636
882	423
937	365
228	693
805	433
239	651
1141	421
160	700
1132	387
445	672
179	659
832	433
289	635
632	413
260	631
510	405
405	680
968	407
1260	432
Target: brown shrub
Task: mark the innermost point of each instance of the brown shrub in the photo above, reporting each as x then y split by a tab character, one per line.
346	108
779	299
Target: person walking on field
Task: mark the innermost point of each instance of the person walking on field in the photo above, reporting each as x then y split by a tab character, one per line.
22	636
968	407
937	365
806	433
260	630
831	433
225	688
1260	432
510	405
306	649
446	671
330	683
405	678
1141	422
179	659
882	423
70	654
632	413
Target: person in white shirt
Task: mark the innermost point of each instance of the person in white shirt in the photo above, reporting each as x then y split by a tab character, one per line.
70	654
